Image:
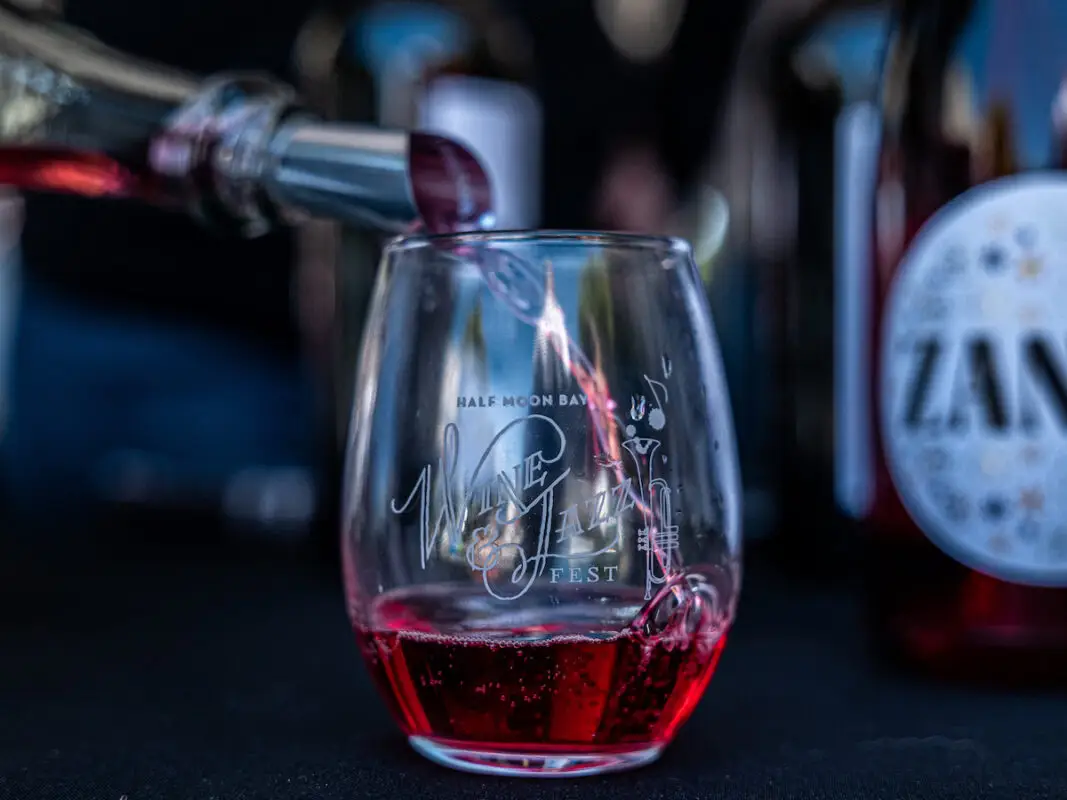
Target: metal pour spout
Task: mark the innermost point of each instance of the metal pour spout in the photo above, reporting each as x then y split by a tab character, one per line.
236	149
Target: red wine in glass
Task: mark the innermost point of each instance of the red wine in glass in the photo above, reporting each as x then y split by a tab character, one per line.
534	690
968	528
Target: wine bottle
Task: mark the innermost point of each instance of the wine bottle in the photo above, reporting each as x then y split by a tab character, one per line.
967	528
762	242
827	94
78	117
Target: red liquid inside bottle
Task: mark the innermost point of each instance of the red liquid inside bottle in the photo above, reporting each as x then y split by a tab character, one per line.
968	524
53	169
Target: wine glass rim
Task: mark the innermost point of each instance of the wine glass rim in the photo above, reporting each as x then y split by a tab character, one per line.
673	244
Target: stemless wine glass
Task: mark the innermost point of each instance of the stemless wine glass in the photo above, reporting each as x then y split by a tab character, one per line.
541	503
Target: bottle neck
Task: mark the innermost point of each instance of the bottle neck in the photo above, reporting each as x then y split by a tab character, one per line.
235	149
64	97
59	87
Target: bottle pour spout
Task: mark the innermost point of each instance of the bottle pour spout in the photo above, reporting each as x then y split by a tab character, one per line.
377	178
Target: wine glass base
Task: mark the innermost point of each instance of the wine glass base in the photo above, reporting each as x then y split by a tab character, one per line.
527	764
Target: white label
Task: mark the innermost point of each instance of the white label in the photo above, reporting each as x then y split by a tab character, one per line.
501	123
974	379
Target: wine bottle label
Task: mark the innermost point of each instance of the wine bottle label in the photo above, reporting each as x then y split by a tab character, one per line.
974	379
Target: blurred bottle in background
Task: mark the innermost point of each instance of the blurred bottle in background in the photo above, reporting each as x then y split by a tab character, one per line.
831	86
967	527
767	222
743	219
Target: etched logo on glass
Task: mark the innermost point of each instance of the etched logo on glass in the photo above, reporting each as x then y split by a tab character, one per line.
974	380
518	523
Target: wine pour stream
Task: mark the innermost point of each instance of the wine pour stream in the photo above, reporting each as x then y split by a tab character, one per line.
528	294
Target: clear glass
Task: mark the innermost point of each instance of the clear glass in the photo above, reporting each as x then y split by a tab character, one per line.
541	501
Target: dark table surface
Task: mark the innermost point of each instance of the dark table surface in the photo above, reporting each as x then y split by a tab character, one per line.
183	676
